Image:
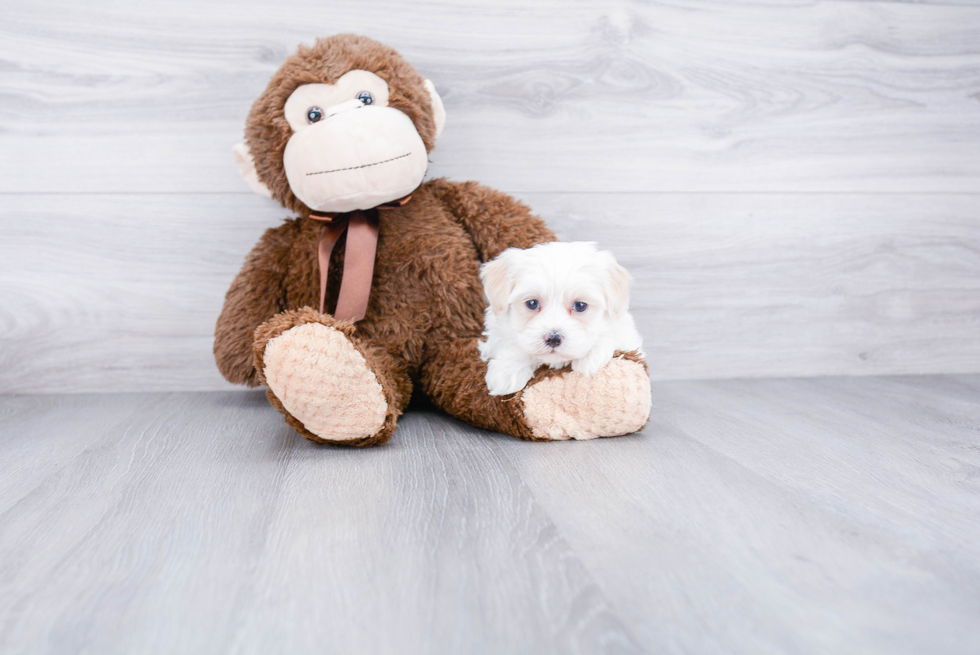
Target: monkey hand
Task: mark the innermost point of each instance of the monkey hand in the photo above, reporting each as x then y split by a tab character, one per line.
613	401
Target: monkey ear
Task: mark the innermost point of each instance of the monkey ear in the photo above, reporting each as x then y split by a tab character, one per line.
438	110
246	166
497	283
618	291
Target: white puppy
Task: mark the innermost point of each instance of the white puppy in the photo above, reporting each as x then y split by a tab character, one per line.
553	304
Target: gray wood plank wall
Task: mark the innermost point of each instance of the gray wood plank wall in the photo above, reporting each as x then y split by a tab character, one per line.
795	185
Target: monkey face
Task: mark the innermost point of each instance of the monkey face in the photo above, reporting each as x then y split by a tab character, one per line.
349	149
344	124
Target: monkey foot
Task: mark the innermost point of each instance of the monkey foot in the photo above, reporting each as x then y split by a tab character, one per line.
317	377
613	402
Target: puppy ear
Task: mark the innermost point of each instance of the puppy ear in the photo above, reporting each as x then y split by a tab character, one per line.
497	282
246	166
618	289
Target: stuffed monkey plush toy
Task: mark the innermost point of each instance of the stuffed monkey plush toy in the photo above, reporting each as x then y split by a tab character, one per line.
374	289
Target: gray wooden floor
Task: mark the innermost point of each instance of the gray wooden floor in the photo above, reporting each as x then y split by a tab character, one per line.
767	516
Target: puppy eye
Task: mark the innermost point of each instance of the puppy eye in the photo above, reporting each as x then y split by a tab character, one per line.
314	114
580	306
531	304
365	97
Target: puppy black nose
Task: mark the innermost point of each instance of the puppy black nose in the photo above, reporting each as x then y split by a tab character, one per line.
553	339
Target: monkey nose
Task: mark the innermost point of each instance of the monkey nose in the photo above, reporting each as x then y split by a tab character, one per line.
553	339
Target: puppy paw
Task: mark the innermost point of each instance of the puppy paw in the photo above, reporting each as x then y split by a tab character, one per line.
485	350
613	401
504	379
593	362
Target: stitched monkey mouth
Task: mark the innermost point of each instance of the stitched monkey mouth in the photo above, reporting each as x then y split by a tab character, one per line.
351	168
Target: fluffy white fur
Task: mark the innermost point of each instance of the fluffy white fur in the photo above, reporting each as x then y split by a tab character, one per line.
555	278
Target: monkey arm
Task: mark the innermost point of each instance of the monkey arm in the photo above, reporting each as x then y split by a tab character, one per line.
255	296
454	379
494	220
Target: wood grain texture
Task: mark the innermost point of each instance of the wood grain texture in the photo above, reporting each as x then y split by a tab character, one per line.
804	516
781	96
121	292
824	515
743	285
794	184
206	525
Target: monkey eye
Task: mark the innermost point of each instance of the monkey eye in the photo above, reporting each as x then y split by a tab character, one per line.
531	304
365	97
580	306
314	114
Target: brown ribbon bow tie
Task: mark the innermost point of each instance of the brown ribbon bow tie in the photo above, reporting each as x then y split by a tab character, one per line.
359	254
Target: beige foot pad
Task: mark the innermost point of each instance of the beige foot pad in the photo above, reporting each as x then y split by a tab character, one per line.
321	379
613	402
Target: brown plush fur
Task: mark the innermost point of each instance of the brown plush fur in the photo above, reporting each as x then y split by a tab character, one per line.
266	129
426	306
390	373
